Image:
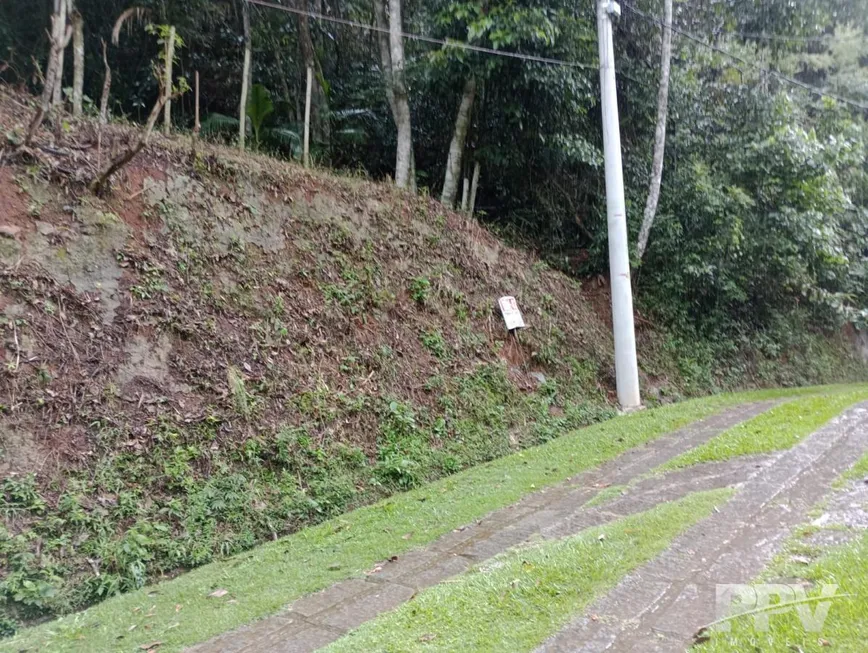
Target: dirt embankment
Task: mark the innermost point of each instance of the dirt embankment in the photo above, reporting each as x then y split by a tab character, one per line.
228	348
225	349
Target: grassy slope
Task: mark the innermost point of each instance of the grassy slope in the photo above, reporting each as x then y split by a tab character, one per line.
266	579
512	603
780	428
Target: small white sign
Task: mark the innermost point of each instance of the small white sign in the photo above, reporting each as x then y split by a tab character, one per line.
511	314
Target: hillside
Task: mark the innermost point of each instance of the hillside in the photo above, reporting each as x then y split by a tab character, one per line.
225	349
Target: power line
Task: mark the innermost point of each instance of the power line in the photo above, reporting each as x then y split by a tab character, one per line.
425	39
825	38
768	71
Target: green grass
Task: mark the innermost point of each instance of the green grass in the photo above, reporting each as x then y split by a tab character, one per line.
264	580
857	471
515	601
845	628
605	495
780	428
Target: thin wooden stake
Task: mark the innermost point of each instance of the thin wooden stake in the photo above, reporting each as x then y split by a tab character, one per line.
473	188
307	117
103	104
198	126
167	84
245	80
106	87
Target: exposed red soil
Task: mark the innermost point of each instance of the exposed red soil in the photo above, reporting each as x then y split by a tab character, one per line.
13	203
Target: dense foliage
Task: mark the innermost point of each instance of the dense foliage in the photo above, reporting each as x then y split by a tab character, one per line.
763	210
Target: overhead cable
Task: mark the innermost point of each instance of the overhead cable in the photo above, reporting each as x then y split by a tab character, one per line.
451	43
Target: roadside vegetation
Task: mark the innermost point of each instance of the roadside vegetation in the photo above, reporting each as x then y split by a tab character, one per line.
263	581
516	600
845	627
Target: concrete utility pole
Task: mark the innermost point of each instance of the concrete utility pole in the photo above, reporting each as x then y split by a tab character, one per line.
626	367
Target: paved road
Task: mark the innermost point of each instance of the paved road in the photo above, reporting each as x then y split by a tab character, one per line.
662	605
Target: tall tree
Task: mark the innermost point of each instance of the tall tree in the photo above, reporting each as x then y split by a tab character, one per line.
382	24
167	81
456	147
57	90
659	133
58	40
77	60
404	154
386	63
245	78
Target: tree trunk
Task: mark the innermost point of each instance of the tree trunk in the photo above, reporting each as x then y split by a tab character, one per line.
167	82
62	9
319	99
103	103
77	62
106	87
382	24
413	188
287	94
385	54
58	37
659	133
456	148
245	81
404	154
197	126
307	96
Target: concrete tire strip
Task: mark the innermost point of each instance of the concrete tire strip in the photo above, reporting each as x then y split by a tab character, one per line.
314	621
661	606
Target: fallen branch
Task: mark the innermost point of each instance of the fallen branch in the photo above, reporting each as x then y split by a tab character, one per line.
98	185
